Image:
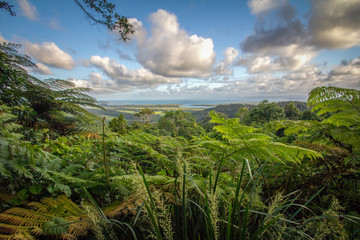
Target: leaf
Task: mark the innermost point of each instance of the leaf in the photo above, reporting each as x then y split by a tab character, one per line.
23	194
56	226
51	189
64	188
35	189
15	201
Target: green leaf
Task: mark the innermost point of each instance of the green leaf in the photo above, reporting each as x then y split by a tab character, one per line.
23	194
51	189
16	201
56	226
64	188
35	189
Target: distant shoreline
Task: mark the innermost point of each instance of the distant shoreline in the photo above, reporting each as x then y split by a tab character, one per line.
191	102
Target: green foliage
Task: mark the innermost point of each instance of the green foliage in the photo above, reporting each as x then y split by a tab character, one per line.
343	124
59	105
8	127
51	104
56	226
291	111
245	142
145	115
173	181
179	123
118	125
263	113
13	77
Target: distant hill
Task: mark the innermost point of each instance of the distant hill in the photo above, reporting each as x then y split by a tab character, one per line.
231	109
302	106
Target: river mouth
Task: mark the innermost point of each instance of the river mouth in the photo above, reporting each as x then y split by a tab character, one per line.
197	106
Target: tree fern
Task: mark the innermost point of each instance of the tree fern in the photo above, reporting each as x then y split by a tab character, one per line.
8	126
334	99
343	125
245	142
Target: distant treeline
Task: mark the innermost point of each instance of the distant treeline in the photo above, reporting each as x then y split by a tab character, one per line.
232	109
229	109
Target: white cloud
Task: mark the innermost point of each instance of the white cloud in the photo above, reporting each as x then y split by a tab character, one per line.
120	75
28	9
279	59
335	24
96	78
260	6
96	82
50	54
42	69
347	74
170	51
230	54
283	45
285	86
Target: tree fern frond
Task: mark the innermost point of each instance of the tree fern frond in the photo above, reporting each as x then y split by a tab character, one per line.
20	221
31	220
348	118
333	99
323	94
12	229
250	144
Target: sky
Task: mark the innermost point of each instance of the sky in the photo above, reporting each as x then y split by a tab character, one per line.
194	49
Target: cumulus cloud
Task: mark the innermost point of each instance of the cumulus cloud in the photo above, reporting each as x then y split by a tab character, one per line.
170	51
296	83
261	6
347	74
281	46
223	68
335	24
99	85
28	9
119	73
293	85
42	69
50	54
280	59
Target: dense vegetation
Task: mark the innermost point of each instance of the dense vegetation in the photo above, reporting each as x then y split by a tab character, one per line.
268	172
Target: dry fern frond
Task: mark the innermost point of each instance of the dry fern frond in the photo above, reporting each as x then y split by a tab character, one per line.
27	223
135	200
129	206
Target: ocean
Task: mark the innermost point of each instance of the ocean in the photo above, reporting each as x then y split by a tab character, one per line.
189	102
201	102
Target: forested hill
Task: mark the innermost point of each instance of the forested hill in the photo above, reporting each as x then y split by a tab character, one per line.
232	109
229	109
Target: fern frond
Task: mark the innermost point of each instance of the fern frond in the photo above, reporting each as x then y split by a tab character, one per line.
247	143
32	219
348	118
349	97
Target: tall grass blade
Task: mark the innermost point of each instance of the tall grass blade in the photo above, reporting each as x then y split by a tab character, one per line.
184	203
217	174
307	202
151	210
231	222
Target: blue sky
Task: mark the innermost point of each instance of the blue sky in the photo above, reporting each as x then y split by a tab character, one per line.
199	49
